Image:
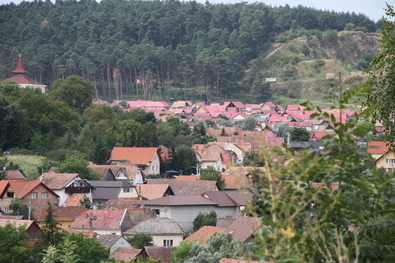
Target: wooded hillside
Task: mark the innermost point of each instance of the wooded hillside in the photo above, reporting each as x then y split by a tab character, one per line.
136	49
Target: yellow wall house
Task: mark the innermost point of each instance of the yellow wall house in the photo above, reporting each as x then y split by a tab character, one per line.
386	161
64	215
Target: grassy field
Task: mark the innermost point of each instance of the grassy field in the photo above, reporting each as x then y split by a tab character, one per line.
27	163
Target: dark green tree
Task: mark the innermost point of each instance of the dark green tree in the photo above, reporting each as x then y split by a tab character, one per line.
211	174
299	134
184	159
204	219
74	91
12	246
75	164
141	240
19	208
50	233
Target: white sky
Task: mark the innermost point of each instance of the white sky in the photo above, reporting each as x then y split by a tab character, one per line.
374	9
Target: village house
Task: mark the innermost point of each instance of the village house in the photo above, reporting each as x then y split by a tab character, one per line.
65	216
32	193
67	184
164	254
146	158
102	222
106	190
32	229
164	231
190	187
113	242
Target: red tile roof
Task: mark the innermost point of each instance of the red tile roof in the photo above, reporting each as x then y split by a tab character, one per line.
162	253
14	175
152	191
125	253
19	69
21	188
136	155
64	214
24	80
377	147
243	227
57	181
105	219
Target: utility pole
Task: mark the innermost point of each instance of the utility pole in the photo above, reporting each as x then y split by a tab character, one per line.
90	220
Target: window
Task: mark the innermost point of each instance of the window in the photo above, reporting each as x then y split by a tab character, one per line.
44	195
167	242
10	194
34	195
390	162
127	190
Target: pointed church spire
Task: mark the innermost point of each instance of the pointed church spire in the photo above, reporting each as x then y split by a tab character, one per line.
19	70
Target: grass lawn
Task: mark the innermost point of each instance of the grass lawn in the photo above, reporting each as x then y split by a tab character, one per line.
27	163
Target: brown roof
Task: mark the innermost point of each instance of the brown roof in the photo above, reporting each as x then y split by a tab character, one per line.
21	187
235	182
17	222
176	200
217	132
212	152
105	219
129	169
239	197
57	181
125	253
136	155
204	233
219	197
74	200
156	226
243	227
152	191
162	253
120	203
181	187
63	214
14	175
187	178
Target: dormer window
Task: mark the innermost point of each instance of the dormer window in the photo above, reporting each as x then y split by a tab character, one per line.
10	194
127	190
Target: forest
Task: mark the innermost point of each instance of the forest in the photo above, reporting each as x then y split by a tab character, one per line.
157	49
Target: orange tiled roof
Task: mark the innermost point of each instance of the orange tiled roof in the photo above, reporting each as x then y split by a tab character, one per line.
74	200
204	233
21	188
58	181
64	214
125	253
136	155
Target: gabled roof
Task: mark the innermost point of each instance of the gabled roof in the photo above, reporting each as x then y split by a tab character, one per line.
74	199
178	200
136	155
24	81
14	175
18	223
57	181
125	253
105	219
239	197
243	227
180	187
61	213
377	147
21	188
156	226
162	253
237	104
108	241
270	104
108	189
204	233
153	191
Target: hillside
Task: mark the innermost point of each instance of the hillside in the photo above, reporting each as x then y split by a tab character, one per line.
300	64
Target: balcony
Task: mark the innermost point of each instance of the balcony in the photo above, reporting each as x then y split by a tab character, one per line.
80	190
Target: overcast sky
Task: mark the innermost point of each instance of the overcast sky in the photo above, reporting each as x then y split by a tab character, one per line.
374	9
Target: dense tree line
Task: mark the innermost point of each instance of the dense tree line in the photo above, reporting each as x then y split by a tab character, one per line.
131	48
71	134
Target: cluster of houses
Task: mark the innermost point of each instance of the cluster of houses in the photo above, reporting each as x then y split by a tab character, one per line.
125	202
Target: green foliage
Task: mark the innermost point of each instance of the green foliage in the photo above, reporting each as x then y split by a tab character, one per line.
300	134
74	91
88	250
75	164
141	240
85	201
217	247
253	159
98	112
204	219
249	124
50	233
19	208
211	174
184	159
12	247
283	130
